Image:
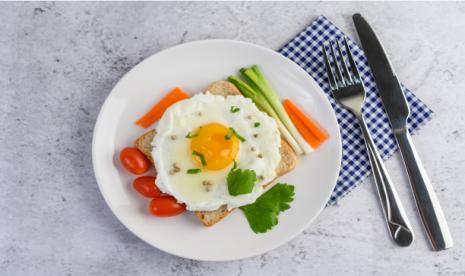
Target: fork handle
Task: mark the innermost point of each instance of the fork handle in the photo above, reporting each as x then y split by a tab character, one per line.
425	197
397	221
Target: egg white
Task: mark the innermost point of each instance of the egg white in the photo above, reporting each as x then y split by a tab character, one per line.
170	146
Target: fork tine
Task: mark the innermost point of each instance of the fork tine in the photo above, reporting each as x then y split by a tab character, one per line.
347	76
340	78
353	66
329	70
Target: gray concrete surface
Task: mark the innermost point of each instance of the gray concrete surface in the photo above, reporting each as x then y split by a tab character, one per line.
58	62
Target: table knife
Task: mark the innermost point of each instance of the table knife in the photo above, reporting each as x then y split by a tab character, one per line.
397	109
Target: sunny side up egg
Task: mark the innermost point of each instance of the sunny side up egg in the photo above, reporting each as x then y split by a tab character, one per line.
199	139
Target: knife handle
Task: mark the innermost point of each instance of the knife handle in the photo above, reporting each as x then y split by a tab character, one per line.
425	197
397	221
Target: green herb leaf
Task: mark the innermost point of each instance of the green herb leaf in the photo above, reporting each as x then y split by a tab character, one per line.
232	132
262	215
189	135
240	181
202	158
193	171
256	124
234	109
229	135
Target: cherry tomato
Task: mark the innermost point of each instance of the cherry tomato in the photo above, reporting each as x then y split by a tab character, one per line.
134	160
166	206
145	185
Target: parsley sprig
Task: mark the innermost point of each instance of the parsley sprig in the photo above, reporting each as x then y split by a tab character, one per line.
262	215
240	181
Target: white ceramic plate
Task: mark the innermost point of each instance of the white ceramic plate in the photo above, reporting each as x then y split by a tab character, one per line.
193	66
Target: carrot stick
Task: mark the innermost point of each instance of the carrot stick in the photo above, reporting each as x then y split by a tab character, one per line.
305	124
308	136
155	113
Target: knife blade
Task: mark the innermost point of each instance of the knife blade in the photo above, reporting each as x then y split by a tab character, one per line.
397	109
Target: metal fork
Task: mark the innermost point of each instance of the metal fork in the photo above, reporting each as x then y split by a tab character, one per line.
348	90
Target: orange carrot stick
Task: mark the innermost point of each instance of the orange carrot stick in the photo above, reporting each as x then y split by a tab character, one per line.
305	122
307	134
155	113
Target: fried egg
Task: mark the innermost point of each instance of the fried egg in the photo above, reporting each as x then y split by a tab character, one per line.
198	141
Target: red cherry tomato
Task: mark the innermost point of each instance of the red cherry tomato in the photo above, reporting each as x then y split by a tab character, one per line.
134	160
166	206
146	186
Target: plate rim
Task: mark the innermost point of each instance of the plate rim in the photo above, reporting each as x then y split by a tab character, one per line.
105	106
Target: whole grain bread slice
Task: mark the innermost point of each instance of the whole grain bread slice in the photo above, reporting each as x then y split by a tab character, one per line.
209	218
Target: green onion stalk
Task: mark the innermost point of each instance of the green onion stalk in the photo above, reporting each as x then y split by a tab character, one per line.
261	85
263	104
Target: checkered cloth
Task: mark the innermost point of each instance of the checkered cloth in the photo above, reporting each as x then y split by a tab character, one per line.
305	50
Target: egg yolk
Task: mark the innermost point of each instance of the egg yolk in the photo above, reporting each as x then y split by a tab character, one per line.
210	142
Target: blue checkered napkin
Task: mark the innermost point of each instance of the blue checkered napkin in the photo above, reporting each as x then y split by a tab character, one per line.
305	50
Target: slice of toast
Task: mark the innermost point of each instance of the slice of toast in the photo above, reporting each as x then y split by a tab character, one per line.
209	218
144	143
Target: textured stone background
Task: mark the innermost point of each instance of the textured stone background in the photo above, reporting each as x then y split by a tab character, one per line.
58	62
